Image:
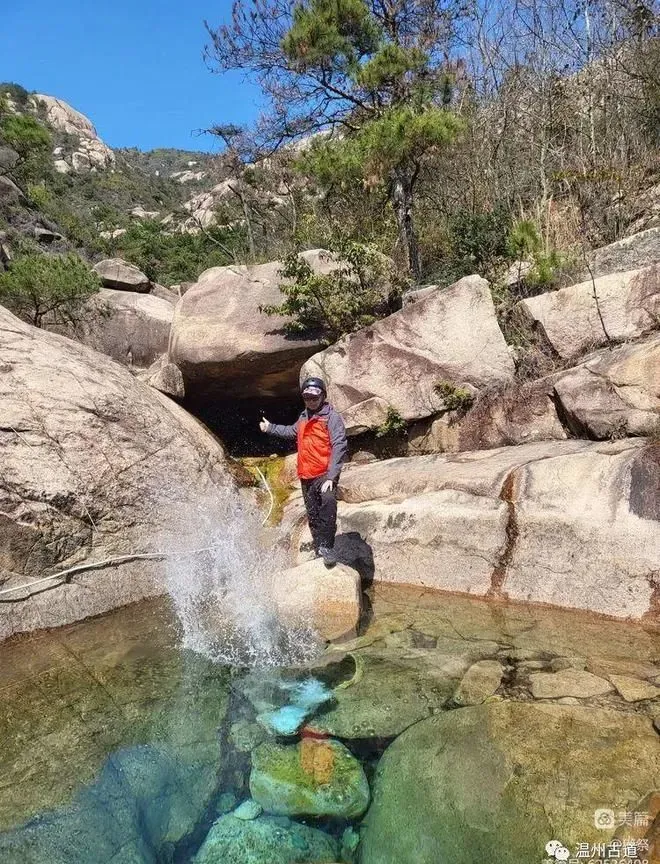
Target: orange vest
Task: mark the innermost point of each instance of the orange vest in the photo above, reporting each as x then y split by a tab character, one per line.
314	448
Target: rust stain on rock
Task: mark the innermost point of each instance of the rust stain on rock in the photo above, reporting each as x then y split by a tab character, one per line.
498	576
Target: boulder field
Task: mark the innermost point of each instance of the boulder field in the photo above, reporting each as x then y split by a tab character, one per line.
94	459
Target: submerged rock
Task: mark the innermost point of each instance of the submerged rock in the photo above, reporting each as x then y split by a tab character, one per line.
493	783
283	704
395	686
145	801
248	810
480	681
266	840
569	682
312	778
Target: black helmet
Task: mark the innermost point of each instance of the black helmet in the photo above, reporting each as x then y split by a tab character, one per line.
313	386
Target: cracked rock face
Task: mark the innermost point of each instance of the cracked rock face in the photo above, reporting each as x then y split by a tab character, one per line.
568	523
626	306
92	465
610	394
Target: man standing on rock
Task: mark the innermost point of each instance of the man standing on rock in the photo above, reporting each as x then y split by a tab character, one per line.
322	448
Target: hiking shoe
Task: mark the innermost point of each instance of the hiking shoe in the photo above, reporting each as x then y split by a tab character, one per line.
329	556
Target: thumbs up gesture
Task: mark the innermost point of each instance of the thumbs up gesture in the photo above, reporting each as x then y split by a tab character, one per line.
264	425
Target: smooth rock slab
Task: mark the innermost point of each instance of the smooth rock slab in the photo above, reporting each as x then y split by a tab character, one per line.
569	682
480	681
570	523
266	840
311	778
634	690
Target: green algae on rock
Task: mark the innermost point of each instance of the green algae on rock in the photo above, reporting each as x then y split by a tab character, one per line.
492	783
265	840
311	778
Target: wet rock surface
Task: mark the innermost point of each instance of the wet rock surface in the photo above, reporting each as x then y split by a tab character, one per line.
316	777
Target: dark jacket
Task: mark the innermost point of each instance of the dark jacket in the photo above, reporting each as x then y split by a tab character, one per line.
322	443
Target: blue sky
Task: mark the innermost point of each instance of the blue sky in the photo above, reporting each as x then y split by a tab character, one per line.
134	67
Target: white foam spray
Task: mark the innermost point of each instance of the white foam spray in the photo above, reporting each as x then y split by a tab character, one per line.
223	593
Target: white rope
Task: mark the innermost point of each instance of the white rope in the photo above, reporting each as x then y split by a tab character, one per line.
272	499
121	559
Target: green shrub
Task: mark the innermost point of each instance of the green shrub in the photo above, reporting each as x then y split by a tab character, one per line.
394	424
31	140
350	297
169	258
455	398
48	289
524	242
39	195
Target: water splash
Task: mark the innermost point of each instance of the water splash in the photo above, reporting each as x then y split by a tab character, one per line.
223	594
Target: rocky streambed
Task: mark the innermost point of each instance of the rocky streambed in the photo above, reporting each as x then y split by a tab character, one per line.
452	729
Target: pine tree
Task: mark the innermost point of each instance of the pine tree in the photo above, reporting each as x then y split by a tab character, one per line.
370	74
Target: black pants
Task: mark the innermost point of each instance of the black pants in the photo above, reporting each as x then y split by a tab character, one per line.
321	511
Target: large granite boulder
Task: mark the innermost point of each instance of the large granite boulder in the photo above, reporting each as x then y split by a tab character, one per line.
574	321
225	346
494	783
614	394
611	394
119	274
93	465
569	523
448	335
631	253
133	329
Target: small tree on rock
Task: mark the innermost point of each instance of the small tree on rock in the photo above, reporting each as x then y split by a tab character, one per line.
362	288
48	289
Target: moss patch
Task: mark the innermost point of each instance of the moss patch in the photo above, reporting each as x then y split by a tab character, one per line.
311	778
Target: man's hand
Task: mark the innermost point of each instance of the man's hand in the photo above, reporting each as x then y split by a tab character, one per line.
327	486
264	425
